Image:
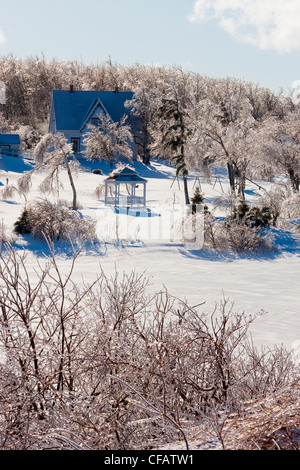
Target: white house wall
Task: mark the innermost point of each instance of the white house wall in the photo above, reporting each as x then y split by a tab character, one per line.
81	135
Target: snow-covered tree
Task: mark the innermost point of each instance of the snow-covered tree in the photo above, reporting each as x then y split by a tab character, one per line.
144	106
28	137
108	141
52	153
3	124
281	147
228	131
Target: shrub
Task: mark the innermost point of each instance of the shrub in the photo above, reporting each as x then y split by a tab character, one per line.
242	231
252	216
109	366
4	238
22	225
55	222
242	237
226	235
229	235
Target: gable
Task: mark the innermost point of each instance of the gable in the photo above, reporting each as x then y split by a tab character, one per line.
72	108
95	109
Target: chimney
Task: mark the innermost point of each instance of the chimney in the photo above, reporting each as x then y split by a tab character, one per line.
71	88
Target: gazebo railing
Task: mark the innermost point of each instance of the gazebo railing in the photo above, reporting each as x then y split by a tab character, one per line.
125	201
9	152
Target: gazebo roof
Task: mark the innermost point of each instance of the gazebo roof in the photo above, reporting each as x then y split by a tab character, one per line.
126	175
9	139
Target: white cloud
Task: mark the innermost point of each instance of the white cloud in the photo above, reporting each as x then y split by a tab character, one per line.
266	24
2	37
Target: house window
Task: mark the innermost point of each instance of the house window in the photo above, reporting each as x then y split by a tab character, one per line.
75	141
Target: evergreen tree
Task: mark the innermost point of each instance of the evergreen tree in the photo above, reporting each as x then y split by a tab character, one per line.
243	213
174	135
197	198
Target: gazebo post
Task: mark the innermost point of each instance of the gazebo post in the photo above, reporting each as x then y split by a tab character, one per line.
144	194
116	193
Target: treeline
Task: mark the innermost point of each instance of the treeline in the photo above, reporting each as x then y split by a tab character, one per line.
189	118
29	84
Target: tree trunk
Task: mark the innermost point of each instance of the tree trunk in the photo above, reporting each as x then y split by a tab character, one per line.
241	183
186	191
146	157
294	179
74	205
231	176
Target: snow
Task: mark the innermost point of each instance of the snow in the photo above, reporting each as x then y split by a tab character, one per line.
268	281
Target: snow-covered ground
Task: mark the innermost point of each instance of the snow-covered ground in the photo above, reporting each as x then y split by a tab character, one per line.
268	282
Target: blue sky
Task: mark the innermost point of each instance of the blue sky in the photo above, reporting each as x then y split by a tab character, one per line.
254	40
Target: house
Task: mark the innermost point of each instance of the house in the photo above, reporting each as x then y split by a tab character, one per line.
9	144
72	110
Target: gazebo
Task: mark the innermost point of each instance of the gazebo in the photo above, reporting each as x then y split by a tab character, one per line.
9	144
125	188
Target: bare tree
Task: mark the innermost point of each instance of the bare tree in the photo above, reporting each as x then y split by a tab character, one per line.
41	334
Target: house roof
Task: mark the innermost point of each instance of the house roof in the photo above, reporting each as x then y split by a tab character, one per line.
71	108
9	139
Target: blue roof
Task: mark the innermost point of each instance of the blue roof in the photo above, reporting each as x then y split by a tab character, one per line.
9	139
72	107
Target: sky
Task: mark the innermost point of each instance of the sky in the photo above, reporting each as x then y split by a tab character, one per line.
252	40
